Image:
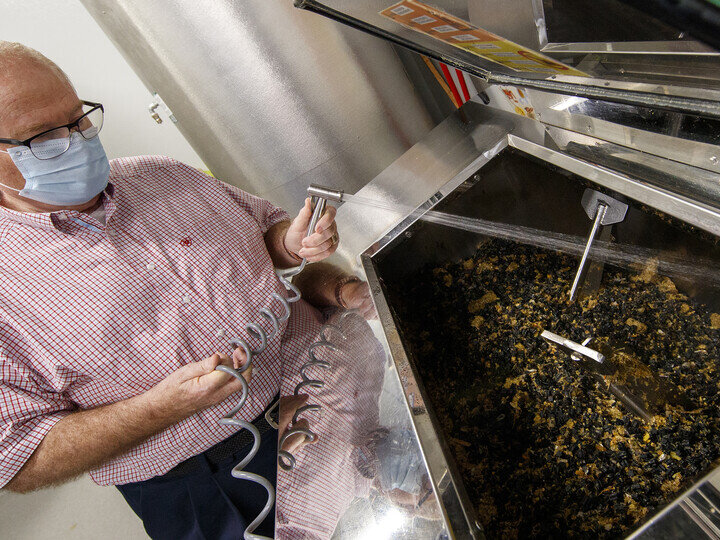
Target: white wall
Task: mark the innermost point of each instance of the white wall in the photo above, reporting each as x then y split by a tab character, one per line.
79	510
64	32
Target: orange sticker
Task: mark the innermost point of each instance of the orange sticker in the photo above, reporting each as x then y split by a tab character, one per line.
463	35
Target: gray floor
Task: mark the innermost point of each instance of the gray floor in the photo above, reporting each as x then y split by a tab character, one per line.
78	510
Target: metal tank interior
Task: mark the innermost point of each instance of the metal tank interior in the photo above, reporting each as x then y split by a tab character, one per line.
465	318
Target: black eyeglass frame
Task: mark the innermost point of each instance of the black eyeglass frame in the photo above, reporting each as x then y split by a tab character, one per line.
70	126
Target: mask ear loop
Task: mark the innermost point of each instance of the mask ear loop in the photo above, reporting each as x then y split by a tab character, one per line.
5	185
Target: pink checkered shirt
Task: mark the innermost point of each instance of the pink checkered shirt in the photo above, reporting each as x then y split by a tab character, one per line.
91	314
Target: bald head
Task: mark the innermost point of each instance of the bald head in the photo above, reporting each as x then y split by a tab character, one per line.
19	62
16	56
35	96
30	82
21	67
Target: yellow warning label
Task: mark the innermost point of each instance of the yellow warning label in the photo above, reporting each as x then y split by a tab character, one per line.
463	35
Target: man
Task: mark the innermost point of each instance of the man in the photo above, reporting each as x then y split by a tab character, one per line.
118	282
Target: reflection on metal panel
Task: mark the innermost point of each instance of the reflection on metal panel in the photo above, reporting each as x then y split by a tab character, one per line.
271	98
517	20
364	475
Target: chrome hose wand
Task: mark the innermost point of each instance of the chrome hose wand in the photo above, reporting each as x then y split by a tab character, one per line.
257	332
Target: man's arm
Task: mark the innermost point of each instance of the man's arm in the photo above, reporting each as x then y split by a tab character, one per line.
84	440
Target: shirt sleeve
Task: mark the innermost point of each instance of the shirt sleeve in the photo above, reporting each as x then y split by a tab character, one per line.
266	214
27	413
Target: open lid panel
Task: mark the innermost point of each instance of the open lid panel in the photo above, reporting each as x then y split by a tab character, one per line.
602	49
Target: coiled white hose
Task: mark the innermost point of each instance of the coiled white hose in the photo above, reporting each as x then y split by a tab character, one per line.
258	333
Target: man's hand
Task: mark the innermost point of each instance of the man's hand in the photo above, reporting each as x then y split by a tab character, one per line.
83	440
423	504
199	385
356	295
321	243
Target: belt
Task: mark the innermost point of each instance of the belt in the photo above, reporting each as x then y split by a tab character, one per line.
222	450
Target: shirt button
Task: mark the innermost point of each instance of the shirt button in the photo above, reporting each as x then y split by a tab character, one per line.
150	266
186	299
220	333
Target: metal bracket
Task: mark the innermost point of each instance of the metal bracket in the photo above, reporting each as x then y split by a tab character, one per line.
153	107
614	213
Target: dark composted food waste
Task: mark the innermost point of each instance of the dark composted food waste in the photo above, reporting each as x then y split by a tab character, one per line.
542	448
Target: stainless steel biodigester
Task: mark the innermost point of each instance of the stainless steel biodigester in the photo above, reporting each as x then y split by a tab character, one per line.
613	99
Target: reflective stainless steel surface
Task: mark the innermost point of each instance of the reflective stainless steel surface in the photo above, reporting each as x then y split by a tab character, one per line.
664	48
694	515
606	38
271	98
678	82
412	245
519	20
684	138
689	193
450	151
348	501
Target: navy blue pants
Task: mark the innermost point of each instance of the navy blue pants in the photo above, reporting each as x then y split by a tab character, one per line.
207	504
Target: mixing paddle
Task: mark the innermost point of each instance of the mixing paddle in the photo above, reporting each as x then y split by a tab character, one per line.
623	375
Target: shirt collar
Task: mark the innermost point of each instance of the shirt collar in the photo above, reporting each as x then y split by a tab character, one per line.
54	220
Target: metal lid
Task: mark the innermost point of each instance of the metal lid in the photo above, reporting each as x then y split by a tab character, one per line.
666	70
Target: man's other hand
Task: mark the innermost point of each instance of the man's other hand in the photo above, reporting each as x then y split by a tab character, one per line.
84	439
198	385
321	243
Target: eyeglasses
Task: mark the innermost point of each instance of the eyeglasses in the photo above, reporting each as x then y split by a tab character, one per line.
56	141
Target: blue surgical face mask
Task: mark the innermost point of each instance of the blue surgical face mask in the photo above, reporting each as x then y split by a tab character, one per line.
72	178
